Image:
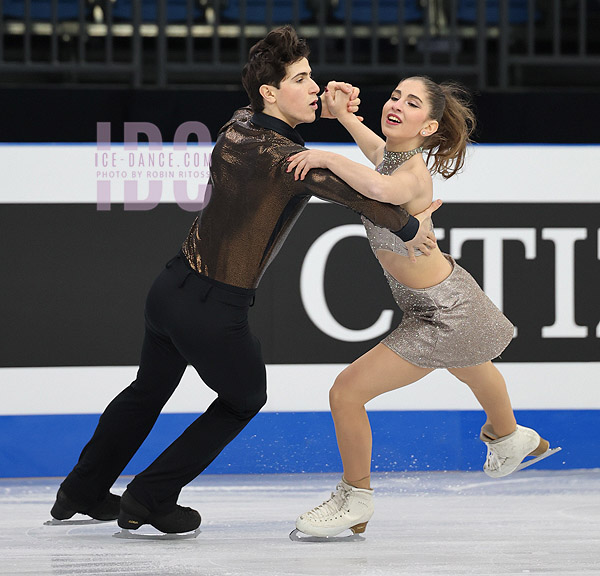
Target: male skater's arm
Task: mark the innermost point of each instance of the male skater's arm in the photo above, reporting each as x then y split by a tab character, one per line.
327	186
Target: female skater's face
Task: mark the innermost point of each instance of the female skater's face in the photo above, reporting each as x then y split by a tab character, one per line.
406	114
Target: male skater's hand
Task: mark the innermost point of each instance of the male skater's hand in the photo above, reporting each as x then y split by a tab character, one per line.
425	239
352	93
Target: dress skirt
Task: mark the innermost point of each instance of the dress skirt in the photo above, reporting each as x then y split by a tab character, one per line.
450	325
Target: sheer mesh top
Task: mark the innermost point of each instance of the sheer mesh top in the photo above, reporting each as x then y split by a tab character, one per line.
255	202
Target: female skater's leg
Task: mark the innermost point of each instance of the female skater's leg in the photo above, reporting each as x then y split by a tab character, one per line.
351	505
507	444
376	372
489	387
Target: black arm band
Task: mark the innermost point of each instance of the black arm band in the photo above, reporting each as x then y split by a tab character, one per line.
409	231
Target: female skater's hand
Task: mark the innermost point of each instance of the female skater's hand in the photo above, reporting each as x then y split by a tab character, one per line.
425	239
343	96
305	160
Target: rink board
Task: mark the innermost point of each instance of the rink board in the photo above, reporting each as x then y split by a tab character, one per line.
295	442
431	425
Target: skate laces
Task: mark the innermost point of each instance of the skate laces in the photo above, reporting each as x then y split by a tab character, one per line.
494	461
333	505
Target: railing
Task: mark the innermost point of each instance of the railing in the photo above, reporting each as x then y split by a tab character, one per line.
557	43
487	44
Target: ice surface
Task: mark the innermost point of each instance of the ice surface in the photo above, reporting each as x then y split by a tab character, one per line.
453	523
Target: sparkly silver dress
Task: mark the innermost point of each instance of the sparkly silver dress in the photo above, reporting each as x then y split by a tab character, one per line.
450	325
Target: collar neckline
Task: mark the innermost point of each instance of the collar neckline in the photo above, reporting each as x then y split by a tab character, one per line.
277	125
405	154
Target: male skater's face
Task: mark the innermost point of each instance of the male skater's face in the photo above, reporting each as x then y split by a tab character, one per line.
295	101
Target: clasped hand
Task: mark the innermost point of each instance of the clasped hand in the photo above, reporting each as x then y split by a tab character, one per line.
339	98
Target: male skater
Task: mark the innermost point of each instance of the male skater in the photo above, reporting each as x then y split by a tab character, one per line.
197	309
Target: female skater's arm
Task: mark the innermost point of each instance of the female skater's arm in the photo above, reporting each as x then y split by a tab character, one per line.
370	144
398	188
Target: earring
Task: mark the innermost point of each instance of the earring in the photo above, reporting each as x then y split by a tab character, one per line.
423	133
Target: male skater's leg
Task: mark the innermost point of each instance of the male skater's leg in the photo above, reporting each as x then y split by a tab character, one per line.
228	359
124	425
240	381
127	420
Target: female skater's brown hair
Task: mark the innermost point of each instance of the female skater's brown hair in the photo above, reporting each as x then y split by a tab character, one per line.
451	107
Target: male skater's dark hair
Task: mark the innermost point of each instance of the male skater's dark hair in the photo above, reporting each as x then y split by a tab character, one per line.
268	59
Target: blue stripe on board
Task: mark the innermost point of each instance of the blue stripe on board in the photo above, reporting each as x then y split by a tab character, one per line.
289	442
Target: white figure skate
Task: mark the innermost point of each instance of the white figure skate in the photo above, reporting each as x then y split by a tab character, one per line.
507	454
349	508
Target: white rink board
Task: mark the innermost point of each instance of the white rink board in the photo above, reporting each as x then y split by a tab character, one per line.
297	388
67	173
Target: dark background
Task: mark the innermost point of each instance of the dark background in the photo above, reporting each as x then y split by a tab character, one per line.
59	114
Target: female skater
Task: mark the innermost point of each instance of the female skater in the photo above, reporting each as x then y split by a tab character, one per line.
448	321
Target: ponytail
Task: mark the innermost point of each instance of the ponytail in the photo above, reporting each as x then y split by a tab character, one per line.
451	107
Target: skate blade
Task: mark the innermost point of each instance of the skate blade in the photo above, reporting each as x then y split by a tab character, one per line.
547	453
297	536
55	522
131	535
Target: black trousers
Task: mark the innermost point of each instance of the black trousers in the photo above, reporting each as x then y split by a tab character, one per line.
190	319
